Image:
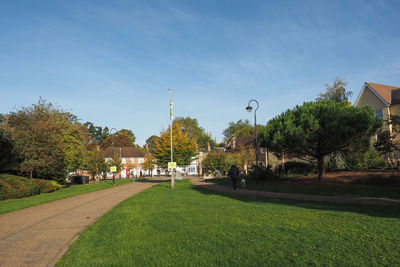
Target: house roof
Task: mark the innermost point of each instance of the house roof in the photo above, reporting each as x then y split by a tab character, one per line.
125	152
384	91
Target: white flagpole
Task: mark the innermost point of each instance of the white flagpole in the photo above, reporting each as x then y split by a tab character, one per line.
170	131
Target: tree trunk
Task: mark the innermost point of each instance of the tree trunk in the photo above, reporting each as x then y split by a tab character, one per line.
321	168
30	174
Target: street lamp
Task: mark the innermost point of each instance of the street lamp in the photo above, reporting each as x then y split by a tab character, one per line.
249	109
112	149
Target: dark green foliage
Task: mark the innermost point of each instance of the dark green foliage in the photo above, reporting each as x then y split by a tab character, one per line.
192	128
364	160
12	186
295	167
97	132
316	129
40	140
215	162
128	133
262	173
240	128
6	150
151	141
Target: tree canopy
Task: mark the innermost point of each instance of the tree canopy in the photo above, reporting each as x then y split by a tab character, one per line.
184	147
120	140
240	128
192	128
47	141
97	133
336	92
317	129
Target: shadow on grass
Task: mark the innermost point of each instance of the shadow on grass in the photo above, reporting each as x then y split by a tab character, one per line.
370	210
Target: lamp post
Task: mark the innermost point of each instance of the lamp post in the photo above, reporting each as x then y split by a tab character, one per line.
112	149
249	109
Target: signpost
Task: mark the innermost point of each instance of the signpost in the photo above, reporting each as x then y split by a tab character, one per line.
113	169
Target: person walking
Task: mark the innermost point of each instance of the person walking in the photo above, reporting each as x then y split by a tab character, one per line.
233	173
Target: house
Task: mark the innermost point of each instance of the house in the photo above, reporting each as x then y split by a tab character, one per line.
131	158
384	99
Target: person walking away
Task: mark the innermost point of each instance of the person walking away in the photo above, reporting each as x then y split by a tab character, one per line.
233	173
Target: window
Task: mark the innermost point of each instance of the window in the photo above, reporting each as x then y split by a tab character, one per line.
379	113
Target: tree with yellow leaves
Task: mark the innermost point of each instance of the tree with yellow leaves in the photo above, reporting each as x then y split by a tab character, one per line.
184	147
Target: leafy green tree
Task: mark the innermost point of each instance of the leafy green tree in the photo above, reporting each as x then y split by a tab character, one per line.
151	141
336	92
6	150
192	128
316	129
184	147
96	163
386	143
240	128
97	132
73	139
128	133
37	133
215	161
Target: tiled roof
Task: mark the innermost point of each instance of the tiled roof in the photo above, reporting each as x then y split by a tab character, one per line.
125	152
384	91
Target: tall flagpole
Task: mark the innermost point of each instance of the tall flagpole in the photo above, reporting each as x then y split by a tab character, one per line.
171	114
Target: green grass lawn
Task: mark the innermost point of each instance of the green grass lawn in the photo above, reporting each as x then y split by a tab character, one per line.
190	226
285	186
21	203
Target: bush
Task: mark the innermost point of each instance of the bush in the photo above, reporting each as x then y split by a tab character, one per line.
295	167
378	179
263	173
13	186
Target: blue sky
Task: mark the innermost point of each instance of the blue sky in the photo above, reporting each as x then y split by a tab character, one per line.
112	62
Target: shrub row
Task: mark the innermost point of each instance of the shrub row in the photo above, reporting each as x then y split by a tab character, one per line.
13	186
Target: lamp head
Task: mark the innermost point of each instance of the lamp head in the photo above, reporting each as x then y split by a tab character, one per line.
249	108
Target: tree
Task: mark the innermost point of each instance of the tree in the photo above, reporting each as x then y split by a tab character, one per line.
336	92
385	143
184	148
96	163
240	129
73	139
215	161
192	128
151	141
128	133
316	129
40	144
6	150
119	141
97	132
148	163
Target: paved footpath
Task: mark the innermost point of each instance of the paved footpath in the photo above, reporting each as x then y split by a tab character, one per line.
333	199
40	235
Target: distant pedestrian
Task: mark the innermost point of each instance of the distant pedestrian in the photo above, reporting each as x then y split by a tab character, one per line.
234	175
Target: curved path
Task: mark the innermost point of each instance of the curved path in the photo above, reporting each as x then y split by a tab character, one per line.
39	235
334	199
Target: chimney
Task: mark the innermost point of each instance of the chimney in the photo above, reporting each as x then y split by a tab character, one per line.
147	147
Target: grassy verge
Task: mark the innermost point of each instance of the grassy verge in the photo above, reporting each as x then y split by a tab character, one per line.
21	203
191	226
286	186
